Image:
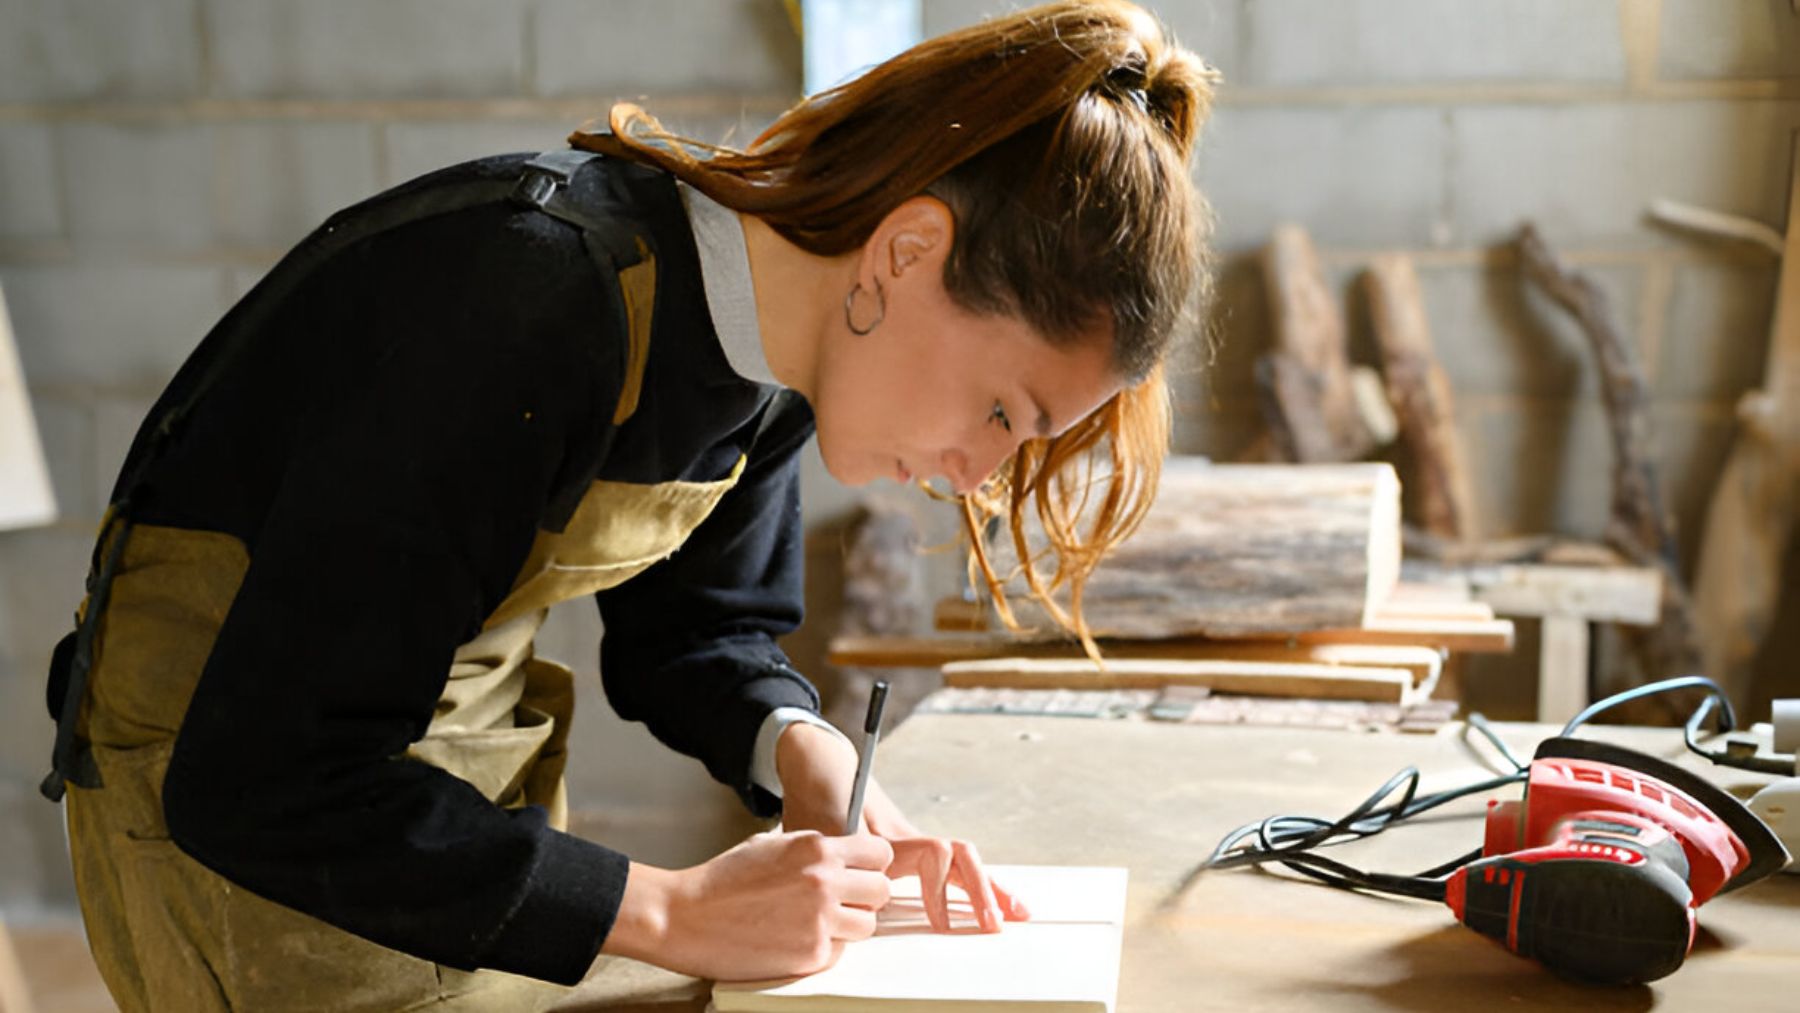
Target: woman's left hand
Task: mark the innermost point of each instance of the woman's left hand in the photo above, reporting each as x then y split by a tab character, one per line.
817	769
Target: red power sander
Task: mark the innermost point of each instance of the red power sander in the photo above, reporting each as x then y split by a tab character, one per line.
1597	871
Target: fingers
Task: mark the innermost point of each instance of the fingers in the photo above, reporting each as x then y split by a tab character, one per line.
1012	907
933	862
968	874
852	924
864	851
864	889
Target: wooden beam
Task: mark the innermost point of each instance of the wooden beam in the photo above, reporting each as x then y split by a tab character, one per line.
1463	611
1319	682
1491	637
1626	594
1562	669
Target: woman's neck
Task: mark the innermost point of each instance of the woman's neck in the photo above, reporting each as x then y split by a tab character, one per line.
795	295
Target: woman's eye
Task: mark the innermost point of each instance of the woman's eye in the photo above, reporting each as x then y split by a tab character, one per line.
999	415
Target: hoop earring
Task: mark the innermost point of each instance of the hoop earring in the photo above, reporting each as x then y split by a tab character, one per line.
880	309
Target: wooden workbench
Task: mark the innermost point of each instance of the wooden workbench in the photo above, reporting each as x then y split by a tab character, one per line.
1157	797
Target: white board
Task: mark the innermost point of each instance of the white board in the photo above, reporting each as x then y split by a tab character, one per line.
26	499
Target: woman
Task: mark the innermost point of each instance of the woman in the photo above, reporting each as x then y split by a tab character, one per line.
311	759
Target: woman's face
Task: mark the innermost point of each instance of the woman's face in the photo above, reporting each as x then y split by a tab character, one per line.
934	391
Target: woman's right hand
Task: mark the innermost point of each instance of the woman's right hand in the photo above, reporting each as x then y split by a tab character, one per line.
775	906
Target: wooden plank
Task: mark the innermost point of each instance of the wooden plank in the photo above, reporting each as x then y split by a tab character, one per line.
1424	663
1493	636
1157	796
1450	588
1464	611
958	615
1233	549
1420	392
1563	669
1320	682
929	652
1624	594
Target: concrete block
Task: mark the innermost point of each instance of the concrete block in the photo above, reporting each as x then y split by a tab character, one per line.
1586	172
125	326
30	207
65	423
1216	368
1542	465
42	571
1692	445
272	49
1729	39
278	181
117	417
71	50
636	47
1312	43
1496	335
241	280
1210	28
418	147
143	185
36	876
1223	434
1717	339
1356	176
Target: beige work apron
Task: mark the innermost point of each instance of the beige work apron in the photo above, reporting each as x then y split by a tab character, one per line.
171	935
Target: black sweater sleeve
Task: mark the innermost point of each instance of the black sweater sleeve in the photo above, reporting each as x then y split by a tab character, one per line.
689	647
401	515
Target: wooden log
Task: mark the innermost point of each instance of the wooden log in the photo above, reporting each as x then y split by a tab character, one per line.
1230	550
1640	527
1319	682
1750	521
1420	393
1309	399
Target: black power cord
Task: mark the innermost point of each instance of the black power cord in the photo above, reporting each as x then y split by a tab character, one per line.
1293	841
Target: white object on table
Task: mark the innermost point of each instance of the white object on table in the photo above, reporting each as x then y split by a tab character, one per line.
26	499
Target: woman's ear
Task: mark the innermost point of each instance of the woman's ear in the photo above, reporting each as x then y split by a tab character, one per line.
917	232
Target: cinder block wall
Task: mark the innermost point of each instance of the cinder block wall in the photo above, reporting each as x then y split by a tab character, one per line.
156	156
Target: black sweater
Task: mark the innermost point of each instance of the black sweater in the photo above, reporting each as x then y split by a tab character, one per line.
386	449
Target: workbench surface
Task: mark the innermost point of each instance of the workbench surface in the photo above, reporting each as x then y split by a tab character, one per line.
1157	797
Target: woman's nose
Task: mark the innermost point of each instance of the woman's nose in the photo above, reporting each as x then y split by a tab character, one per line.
966	472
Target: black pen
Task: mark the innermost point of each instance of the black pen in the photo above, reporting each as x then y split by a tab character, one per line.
865	761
